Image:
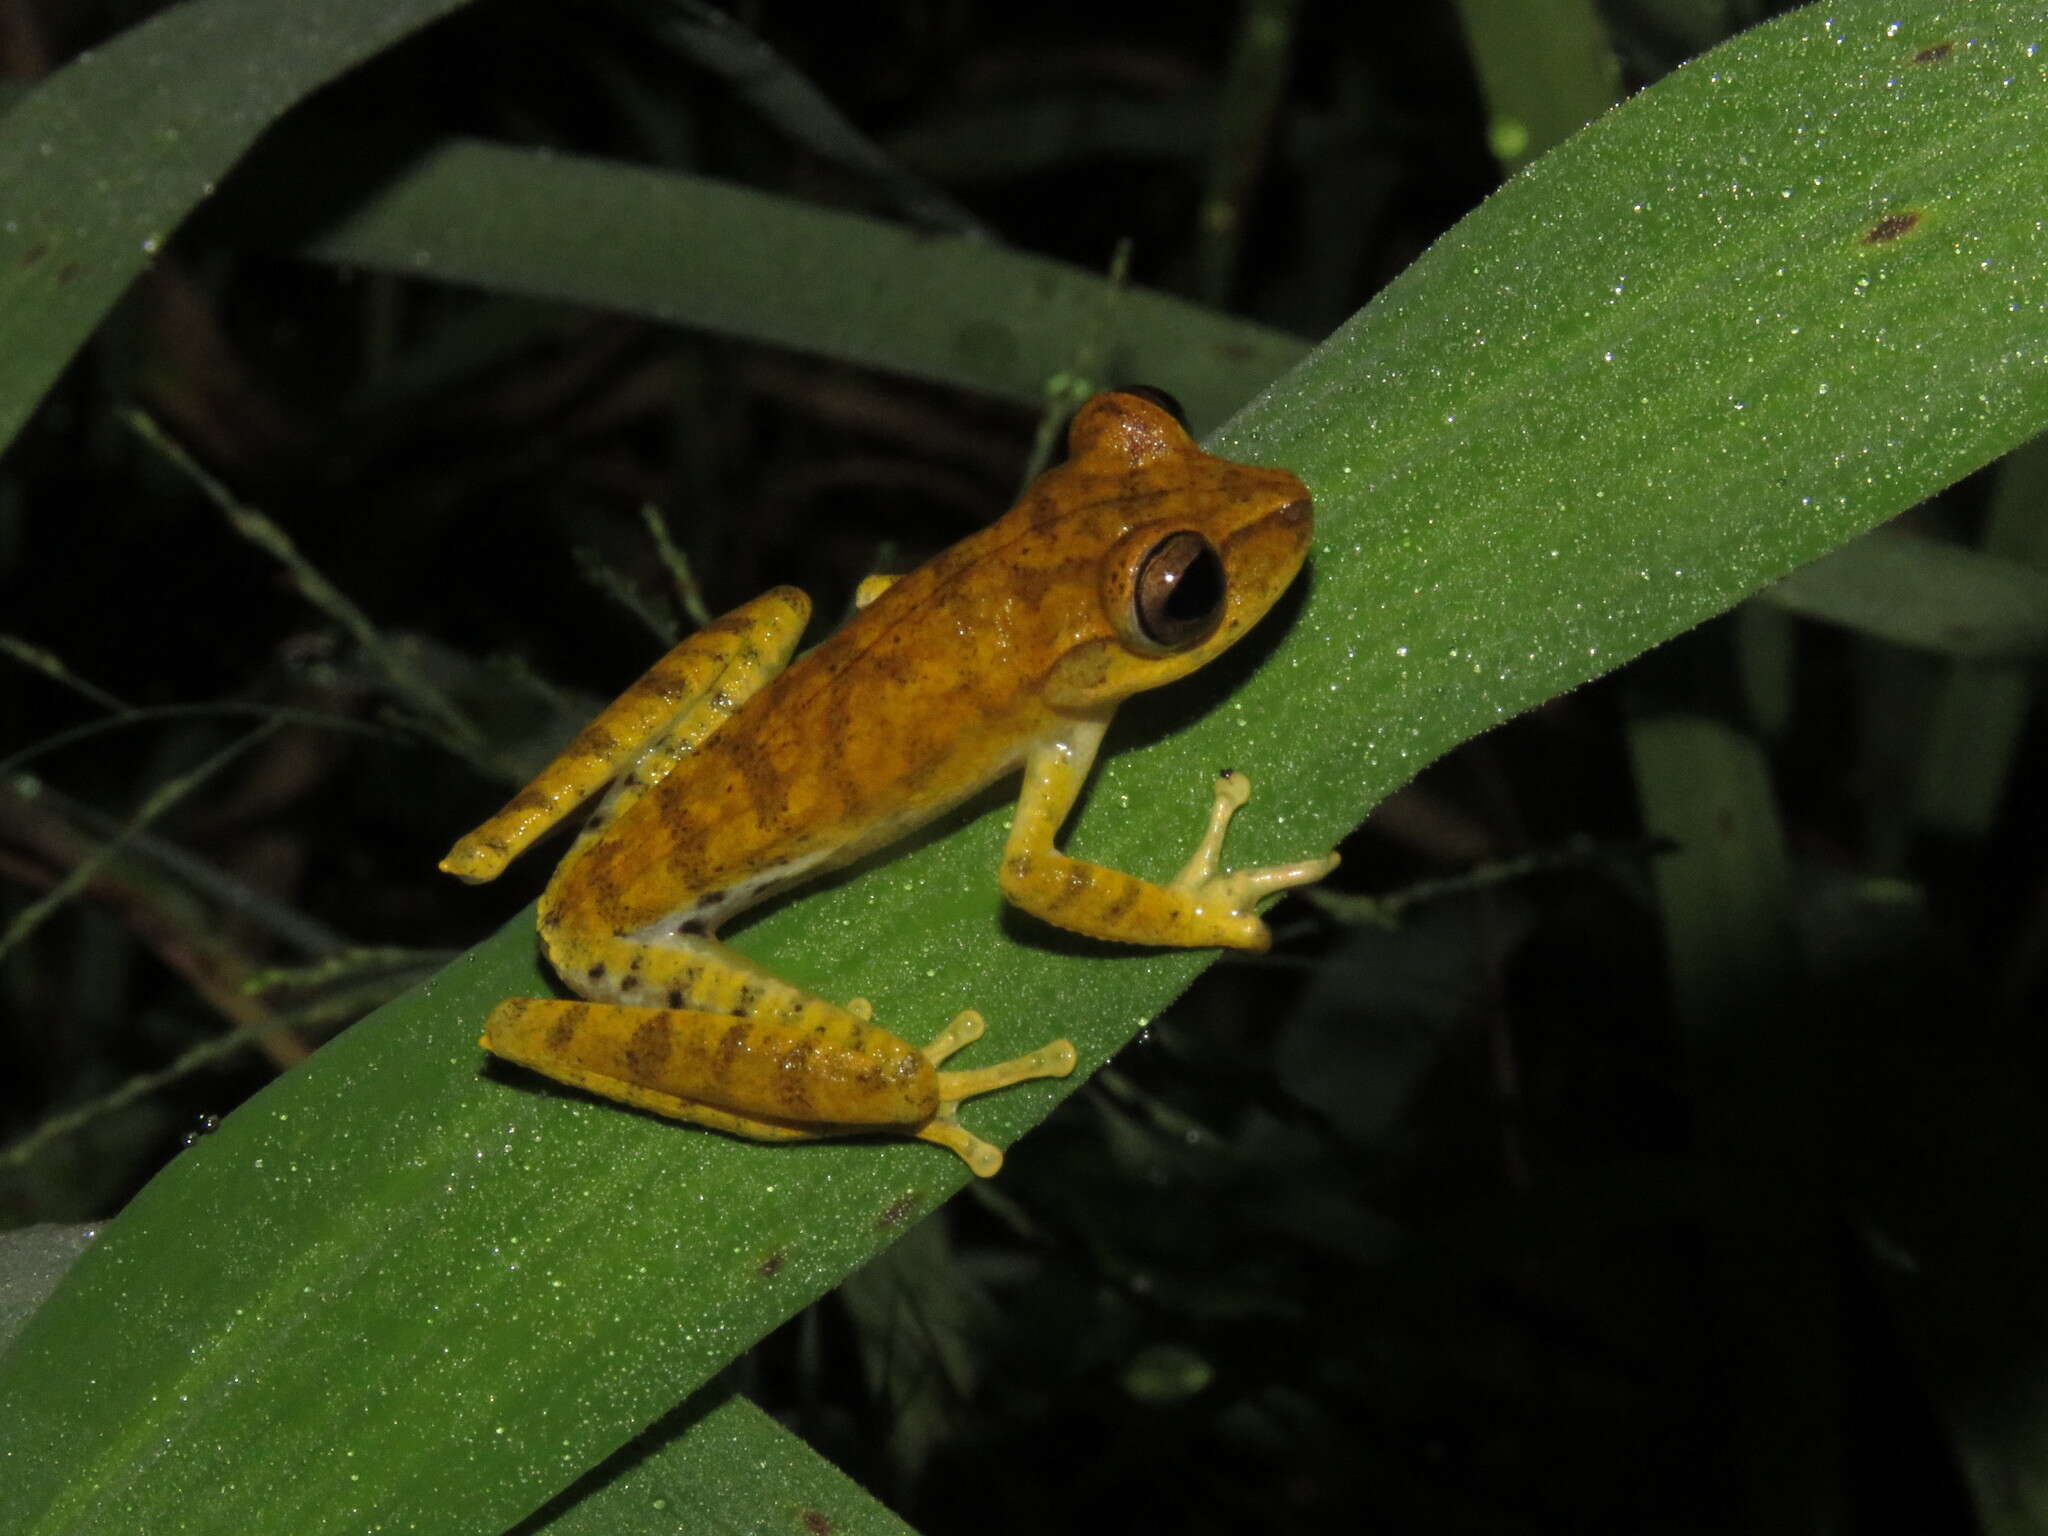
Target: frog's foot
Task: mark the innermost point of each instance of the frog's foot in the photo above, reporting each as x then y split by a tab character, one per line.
1237	890
1055	1059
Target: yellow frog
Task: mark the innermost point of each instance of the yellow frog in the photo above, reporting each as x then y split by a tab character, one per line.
734	775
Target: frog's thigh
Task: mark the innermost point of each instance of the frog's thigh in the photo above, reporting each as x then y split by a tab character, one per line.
727	662
669	1107
541	1033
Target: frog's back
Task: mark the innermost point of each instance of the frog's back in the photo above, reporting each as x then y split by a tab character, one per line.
908	709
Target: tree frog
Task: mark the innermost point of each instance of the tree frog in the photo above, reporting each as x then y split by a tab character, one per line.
735	774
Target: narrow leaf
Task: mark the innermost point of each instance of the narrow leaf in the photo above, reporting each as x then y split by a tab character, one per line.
104	159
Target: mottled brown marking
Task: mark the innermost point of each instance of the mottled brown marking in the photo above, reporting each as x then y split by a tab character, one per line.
675	997
648	1051
732	1045
1890	227
746	1000
897	1212
596	972
734	623
594	741
1041	510
766	786
562	1033
1936	54
1125	899
837	736
793	1087
1031	584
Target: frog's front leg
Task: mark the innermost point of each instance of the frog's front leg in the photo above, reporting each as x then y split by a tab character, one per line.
1200	906
664	715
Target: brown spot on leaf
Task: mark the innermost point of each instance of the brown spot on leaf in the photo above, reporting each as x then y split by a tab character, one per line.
35	253
1934	54
1890	227
817	1522
897	1212
771	1266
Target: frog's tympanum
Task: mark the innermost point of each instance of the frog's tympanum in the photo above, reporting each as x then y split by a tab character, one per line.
735	774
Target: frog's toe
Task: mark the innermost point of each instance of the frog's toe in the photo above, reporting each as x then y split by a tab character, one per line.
985	1158
965	1027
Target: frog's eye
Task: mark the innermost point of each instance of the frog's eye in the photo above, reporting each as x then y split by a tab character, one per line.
1158	397
1177	600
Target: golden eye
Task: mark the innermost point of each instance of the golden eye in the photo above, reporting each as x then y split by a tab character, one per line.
1177	600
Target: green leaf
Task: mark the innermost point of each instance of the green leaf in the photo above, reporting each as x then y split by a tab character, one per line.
1928	595
1765	304
1980	714
1546	69
1725	891
718	1464
104	159
707	254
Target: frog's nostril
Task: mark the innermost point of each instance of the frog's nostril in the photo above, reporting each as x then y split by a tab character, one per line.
1296	514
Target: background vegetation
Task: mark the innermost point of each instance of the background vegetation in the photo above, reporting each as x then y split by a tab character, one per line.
1643	1132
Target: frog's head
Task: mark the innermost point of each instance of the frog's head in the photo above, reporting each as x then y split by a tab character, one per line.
1197	548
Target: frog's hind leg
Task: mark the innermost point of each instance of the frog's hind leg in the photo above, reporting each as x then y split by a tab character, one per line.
1054	1059
661	718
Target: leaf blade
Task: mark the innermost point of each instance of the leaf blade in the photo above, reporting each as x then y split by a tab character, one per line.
102	161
